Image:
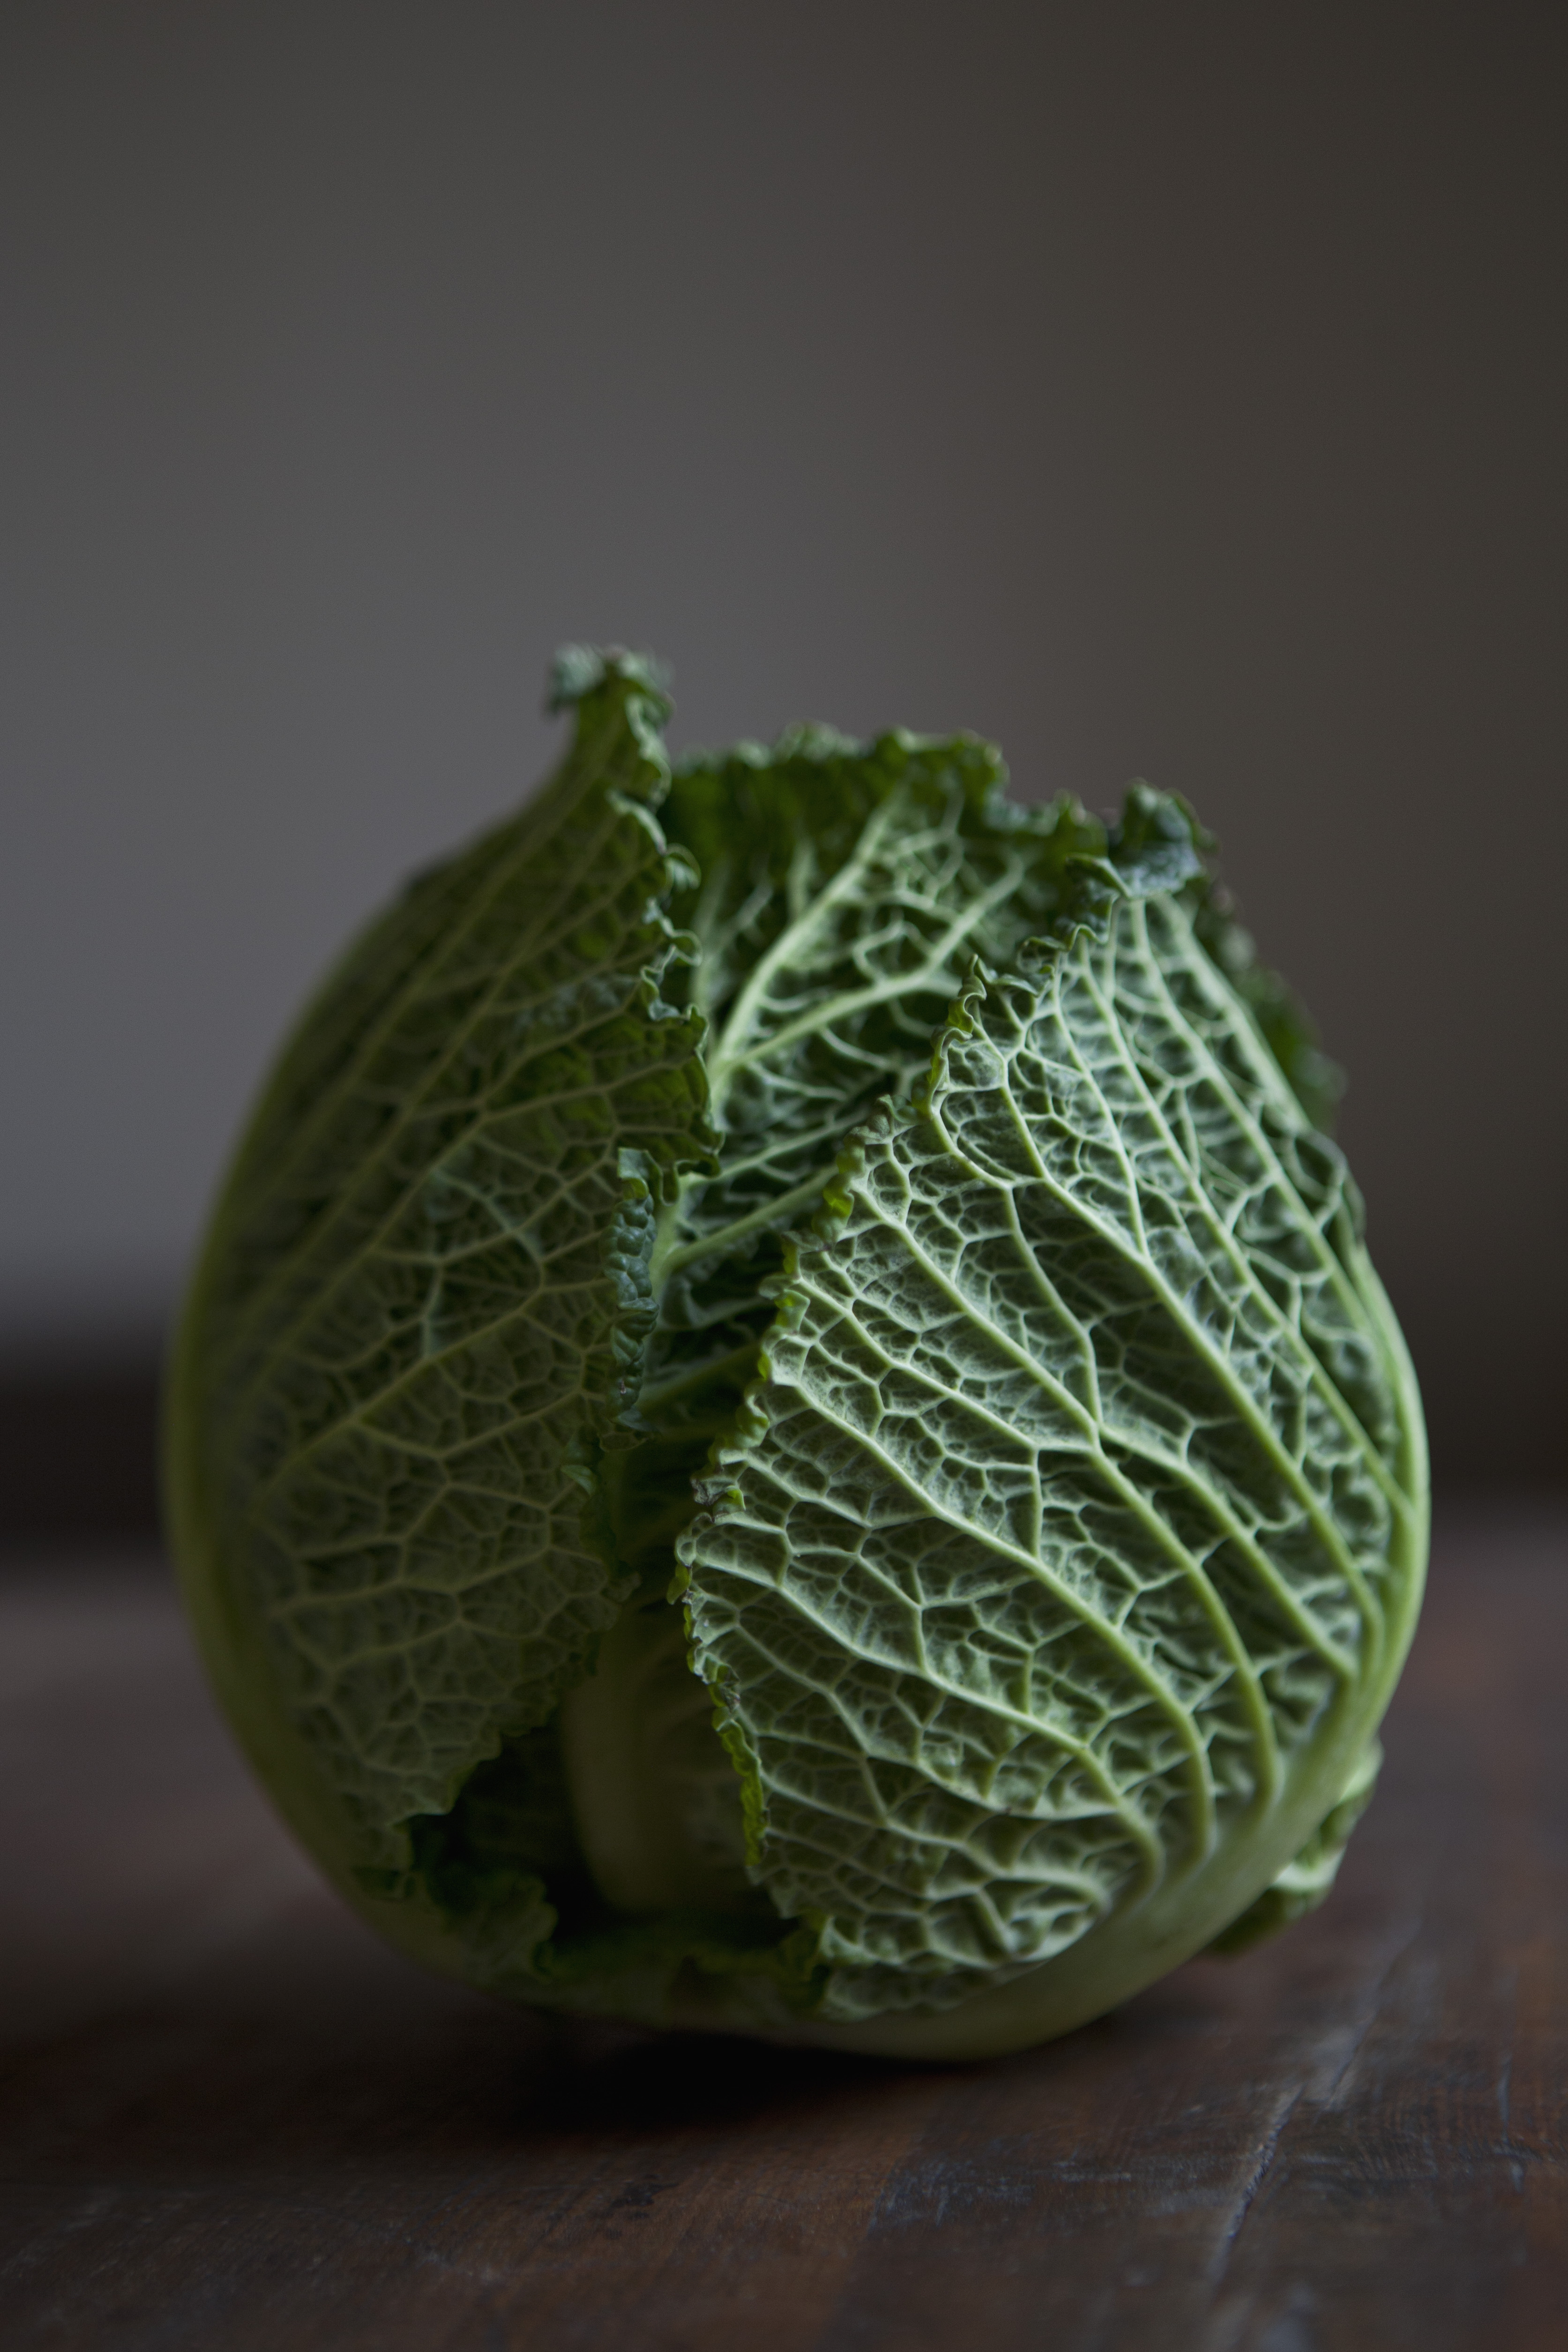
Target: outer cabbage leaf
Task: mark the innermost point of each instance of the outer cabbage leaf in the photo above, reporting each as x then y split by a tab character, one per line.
1073	1543
423	1306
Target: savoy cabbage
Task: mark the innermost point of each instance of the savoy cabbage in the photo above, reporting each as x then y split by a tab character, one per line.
785	1423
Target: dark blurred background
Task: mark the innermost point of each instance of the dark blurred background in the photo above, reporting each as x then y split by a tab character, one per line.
1172	391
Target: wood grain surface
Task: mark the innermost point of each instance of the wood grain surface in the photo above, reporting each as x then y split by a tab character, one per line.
228	2119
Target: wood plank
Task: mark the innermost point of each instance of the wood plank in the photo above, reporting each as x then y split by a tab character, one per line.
229	2118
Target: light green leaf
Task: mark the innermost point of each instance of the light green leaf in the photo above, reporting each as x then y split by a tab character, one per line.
424	1300
1061	1531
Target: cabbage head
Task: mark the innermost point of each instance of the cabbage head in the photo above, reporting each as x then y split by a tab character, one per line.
784	1425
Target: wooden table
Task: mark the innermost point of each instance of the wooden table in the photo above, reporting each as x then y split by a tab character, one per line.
228	2119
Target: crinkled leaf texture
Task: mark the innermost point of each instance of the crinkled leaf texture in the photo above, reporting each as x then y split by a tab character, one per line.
422	1304
1075	1513
891	1223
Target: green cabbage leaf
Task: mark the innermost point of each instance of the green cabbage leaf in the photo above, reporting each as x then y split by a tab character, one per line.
785	1423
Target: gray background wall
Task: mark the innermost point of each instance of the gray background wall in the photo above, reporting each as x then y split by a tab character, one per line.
1162	390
